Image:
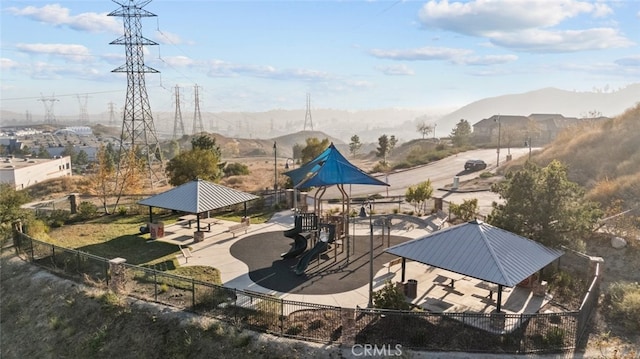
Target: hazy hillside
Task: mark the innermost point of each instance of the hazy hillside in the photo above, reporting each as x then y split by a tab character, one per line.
548	100
604	157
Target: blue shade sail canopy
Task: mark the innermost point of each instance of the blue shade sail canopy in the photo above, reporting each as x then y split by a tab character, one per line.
330	168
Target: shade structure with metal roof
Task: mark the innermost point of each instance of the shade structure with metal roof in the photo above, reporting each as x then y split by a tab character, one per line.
480	250
198	196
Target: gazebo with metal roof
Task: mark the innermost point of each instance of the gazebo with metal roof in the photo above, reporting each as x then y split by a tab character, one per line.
479	250
196	197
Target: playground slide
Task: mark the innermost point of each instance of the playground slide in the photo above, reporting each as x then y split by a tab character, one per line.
299	246
327	235
300	240
303	263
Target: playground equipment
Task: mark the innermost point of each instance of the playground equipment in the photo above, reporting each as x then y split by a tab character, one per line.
327	235
304	225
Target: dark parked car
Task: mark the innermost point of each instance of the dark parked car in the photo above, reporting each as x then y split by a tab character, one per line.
475	165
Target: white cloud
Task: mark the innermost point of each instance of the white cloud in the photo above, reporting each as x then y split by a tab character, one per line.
57	15
164	37
633	61
178	61
76	53
524	25
424	53
485	16
488	60
396	70
6	64
562	41
218	68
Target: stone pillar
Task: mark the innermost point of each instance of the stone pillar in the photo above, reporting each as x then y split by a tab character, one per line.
118	278
73	204
198	236
348	326
498	320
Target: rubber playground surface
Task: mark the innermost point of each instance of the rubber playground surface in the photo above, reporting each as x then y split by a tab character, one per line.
329	275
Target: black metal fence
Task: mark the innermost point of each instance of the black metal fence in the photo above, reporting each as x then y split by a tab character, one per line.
469	332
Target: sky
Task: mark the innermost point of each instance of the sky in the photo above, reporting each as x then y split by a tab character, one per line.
258	56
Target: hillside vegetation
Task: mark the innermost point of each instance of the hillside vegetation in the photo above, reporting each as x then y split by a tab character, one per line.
602	157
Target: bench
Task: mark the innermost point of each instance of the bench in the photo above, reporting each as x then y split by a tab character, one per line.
237	228
440	220
392	263
186	253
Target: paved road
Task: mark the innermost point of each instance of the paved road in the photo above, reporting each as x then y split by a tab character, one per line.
441	173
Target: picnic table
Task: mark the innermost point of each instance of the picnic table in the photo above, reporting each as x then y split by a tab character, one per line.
194	218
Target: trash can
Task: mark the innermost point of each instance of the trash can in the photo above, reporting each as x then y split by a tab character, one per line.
411	288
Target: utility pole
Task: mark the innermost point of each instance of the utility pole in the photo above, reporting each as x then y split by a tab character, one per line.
275	170
138	139
112	114
499	135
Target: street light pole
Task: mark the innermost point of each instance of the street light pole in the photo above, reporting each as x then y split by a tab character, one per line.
275	170
499	135
363	213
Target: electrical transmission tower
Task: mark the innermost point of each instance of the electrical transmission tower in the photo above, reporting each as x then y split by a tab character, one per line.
48	102
138	140
178	124
84	114
307	116
112	114
198	126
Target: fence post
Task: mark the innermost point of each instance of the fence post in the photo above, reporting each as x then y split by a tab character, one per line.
193	295
281	317
348	317
117	269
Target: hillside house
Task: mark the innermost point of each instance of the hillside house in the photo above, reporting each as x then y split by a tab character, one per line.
539	128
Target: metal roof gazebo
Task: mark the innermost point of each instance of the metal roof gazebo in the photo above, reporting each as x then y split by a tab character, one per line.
479	250
196	197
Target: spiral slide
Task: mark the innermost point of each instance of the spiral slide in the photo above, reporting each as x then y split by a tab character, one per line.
300	240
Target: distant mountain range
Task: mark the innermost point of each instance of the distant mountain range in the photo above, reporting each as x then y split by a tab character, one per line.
369	125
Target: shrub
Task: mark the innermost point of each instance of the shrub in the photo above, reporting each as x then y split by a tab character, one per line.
625	303
465	211
390	297
236	169
87	210
58	217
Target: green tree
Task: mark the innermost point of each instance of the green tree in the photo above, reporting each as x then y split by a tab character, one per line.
10	205
70	150
424	129
194	164
43	153
355	145
297	152
205	142
383	148
314	148
82	158
542	204
466	211
461	133
418	195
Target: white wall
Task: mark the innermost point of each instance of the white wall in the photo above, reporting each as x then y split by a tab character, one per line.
23	175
